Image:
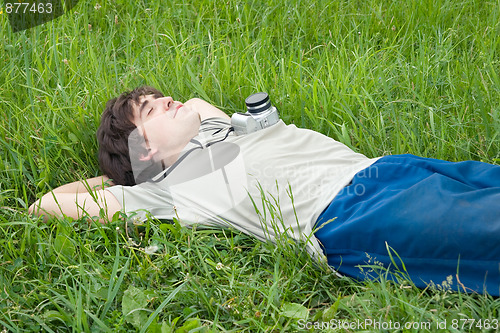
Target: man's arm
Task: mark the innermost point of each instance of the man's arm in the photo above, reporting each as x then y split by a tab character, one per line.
78	199
205	109
95	183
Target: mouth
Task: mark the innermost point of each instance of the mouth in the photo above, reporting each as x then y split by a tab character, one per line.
177	109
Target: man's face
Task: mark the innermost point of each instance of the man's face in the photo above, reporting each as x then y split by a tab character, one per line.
166	125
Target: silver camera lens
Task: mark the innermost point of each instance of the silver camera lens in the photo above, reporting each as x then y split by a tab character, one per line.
261	114
258	102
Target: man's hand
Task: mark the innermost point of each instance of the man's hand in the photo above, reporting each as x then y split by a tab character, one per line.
205	109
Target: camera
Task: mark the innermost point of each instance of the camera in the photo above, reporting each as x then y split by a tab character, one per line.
261	114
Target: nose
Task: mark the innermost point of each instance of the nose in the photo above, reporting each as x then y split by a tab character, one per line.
167	101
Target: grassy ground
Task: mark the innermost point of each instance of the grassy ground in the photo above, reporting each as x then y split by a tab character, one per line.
382	76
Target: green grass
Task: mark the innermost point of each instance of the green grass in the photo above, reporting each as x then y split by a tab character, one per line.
384	77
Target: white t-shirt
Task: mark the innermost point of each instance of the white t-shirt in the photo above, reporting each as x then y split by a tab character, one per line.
264	183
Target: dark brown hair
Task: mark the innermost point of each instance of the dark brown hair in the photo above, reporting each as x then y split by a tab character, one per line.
112	135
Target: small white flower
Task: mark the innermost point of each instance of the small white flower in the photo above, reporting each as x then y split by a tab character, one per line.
219	266
97	6
151	249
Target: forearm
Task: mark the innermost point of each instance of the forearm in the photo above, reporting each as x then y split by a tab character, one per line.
76	205
83	186
77	199
54	203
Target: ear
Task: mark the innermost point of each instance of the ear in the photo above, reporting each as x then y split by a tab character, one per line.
149	155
